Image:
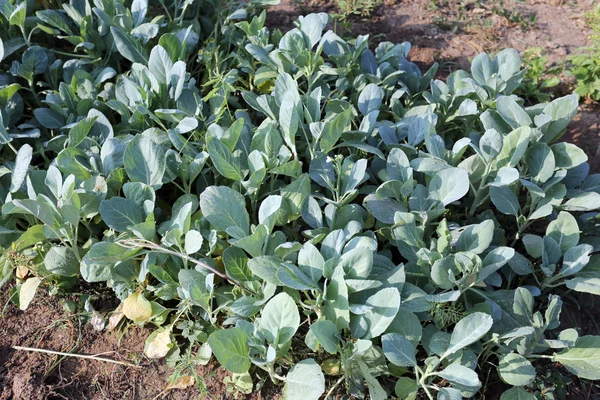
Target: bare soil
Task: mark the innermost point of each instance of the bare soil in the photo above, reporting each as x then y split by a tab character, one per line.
47	325
449	32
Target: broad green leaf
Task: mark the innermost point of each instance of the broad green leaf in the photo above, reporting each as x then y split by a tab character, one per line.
17	17
193	241
48	118
514	147
383	306
100	260
449	185
160	63
585	285
145	160
370	99
568	155
120	213
230	346
476	238
505	200
449	394
575	259
224	161
128	46
61	261
326	334
22	162
407	324
296	193
225	208
333	130
398	350
516	370
490	144
461	377
406	388
583	359
305	381
495	260
31	236
289	120
564	230
468	330
236	264
512	112
541	162
280	319
517	393
80	131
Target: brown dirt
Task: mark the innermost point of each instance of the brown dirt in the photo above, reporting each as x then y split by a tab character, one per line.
46	325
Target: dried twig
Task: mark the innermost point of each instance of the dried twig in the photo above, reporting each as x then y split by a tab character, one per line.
59	353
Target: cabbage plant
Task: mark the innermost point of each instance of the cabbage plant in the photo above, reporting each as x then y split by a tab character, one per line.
295	204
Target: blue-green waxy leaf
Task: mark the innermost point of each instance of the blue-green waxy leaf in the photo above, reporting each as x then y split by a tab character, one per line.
514	147
505	200
61	260
322	172
22	162
289	120
584	285
48	118
449	185
305	381
145	160
327	335
224	161
230	346
160	64
225	208
490	144
461	377
468	330
447	393
333	130
512	112
568	155
370	98
236	264
296	193
398	350
516	370
583	359
541	162
575	259
266	267
383	307
564	230
99	262
128	46
517	393
476	238
280	319
120	213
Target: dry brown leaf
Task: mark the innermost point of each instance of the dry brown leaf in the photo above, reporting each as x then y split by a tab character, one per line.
182	383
